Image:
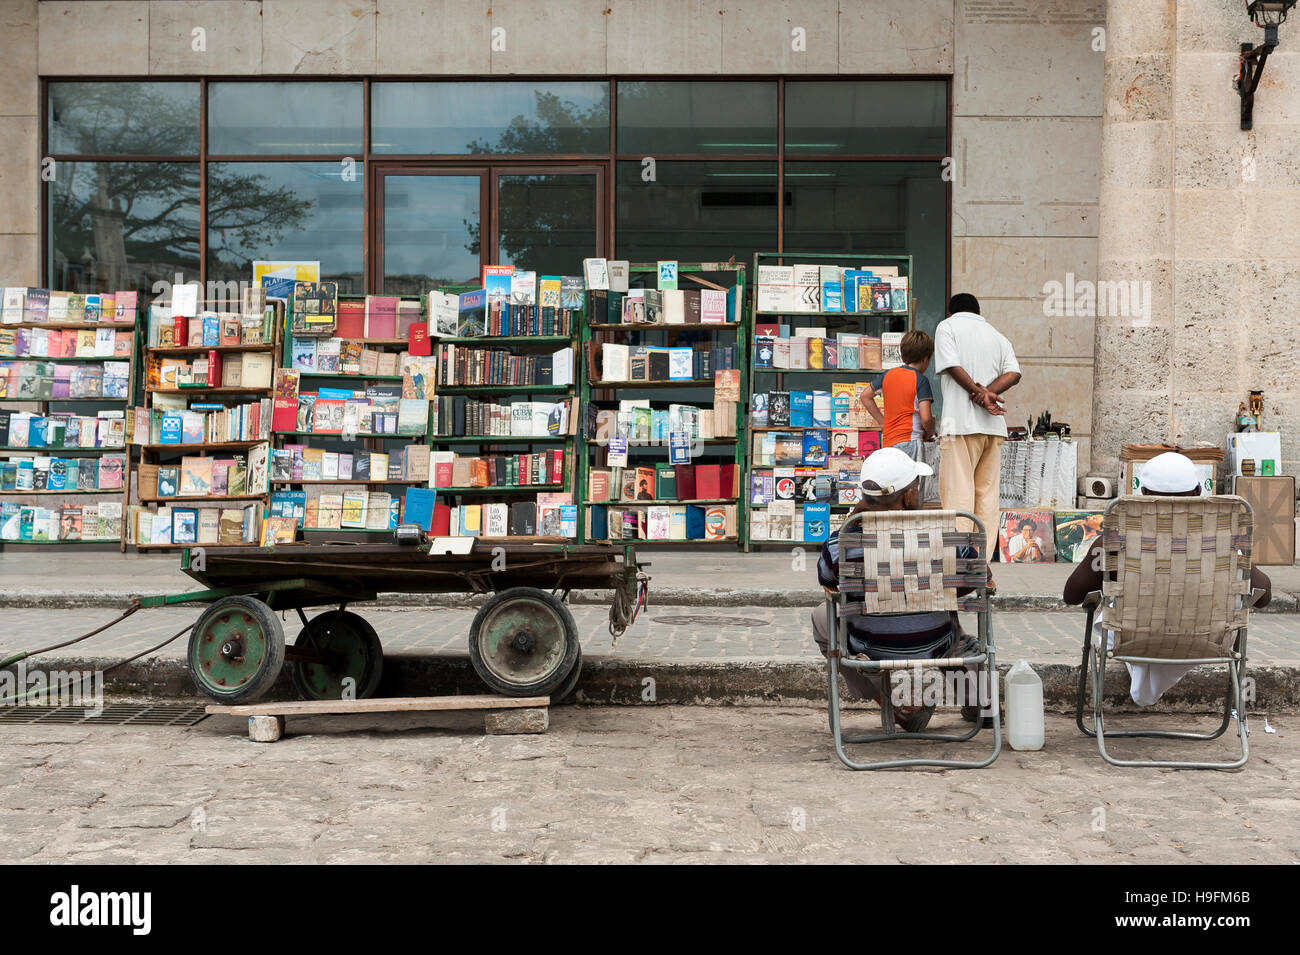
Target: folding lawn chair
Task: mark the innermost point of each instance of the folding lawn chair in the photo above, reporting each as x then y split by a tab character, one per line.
1181	595
894	562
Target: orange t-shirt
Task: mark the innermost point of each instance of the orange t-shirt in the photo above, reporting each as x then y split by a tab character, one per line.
904	389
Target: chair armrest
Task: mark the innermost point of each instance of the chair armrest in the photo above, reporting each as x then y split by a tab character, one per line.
1256	595
1092	601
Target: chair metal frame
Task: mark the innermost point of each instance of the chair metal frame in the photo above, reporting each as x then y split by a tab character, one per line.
1096	654
970	573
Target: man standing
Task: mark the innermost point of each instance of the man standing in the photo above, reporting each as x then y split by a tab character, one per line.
976	364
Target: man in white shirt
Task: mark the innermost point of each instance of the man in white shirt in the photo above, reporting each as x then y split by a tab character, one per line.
975	364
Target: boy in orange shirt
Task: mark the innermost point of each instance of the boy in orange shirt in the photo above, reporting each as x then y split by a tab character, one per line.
907	419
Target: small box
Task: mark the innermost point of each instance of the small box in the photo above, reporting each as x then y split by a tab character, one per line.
1261	447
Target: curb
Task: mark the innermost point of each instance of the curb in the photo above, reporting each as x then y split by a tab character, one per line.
670	597
611	681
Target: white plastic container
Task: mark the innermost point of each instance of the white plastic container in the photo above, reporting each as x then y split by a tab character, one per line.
1024	696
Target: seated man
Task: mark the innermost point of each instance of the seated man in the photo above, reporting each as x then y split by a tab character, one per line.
890	481
1166	475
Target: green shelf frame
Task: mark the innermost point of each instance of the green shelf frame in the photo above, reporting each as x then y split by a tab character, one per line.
846	260
587	386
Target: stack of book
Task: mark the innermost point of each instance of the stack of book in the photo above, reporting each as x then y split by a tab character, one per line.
498	471
637	421
459	416
375	410
831	288
22	429
298	463
89	343
70	522
201	423
172	526
519	303
661	307
51	473
624	364
663	482
37	305
663	522
249	371
462	365
811	349
51	381
202	476
550	515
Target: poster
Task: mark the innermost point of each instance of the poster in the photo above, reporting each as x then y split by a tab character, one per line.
1026	537
278	277
1075	532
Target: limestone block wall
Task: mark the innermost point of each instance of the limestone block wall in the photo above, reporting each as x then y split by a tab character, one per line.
1209	215
1027	104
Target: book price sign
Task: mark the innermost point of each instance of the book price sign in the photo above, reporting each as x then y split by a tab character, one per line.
679	447
617	456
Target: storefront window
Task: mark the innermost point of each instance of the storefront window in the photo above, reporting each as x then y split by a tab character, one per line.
696	211
430	232
897	208
123	225
286	211
513	118
866	118
696	118
124	119
285	119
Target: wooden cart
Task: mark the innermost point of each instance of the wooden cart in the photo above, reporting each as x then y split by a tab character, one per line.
523	641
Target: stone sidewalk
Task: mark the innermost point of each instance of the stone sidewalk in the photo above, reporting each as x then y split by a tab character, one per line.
692	654
650	784
785	578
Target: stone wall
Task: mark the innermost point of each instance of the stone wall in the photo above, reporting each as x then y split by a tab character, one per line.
1027	95
1207	213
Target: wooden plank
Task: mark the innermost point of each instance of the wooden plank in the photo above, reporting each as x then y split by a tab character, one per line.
380	705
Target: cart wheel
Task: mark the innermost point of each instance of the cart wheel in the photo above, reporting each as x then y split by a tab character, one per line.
236	650
570	682
523	642
357	652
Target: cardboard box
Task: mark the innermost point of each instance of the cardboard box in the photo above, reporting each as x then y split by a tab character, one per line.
1131	477
1262	447
1273	501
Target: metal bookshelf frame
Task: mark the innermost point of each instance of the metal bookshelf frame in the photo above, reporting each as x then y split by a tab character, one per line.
590	330
844	260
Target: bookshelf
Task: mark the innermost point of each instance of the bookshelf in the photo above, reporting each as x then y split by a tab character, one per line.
504	431
65	388
203	433
806	433
661	353
325	469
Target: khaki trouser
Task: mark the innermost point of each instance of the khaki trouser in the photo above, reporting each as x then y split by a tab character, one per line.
970	471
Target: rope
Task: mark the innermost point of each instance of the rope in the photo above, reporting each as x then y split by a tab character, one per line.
67	643
623	609
107	669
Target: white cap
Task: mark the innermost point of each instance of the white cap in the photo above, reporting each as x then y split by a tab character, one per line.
1170	473
891	470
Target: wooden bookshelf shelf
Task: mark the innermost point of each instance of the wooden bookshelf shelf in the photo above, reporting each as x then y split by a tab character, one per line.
902	314
208	391
646	541
204	349
501	489
499	439
55	452
658	503
347	375
509	340
337	435
658	442
378	482
501	389
59	361
199	499
46	492
124	326
207	445
678	383
661	326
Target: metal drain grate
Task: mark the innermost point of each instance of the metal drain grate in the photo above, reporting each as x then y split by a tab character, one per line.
115	714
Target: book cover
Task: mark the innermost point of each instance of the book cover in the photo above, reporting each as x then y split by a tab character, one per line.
1026	536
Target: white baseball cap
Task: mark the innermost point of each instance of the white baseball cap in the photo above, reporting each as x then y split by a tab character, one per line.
1170	473
891	470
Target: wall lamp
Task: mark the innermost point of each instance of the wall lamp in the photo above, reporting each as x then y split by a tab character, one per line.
1268	15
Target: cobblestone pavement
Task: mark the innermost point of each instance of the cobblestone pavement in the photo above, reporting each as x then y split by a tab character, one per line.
614	784
661	633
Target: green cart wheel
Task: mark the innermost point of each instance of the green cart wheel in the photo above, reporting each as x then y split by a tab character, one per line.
236	650
570	682
358	657
523	642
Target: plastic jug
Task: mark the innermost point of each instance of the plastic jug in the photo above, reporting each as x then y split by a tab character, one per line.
1024	695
